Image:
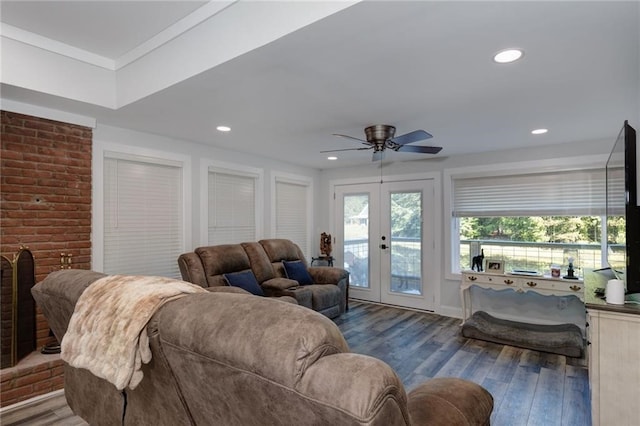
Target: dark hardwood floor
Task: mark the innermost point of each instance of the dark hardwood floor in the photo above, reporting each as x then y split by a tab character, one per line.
528	387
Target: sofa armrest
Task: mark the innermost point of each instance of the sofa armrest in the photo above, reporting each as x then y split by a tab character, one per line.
279	284
192	270
364	387
326	275
450	401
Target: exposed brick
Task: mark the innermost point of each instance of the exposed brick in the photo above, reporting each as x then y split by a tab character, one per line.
16	180
35	158
14	119
10	155
39	125
51	136
7	375
54	167
30	379
15	130
17	394
9	171
48	385
46	206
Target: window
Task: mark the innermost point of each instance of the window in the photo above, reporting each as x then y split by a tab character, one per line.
233	205
530	220
293	211
143	215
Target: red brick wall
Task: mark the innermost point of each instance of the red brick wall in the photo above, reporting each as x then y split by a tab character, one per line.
26	381
45	188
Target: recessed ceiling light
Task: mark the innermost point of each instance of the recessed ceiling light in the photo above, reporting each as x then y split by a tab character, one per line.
332	158
508	55
539	131
223	128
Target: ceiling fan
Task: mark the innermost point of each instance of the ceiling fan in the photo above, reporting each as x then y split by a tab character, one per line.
381	137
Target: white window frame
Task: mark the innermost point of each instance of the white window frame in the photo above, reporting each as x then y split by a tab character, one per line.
206	166
100	149
451	250
296	180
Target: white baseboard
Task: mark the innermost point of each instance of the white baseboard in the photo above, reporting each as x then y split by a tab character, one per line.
450	311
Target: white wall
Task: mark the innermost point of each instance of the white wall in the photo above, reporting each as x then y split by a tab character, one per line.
105	135
449	299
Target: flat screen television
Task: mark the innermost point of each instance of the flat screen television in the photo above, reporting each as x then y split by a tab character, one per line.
622	210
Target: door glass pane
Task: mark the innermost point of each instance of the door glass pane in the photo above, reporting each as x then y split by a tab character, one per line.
356	238
406	242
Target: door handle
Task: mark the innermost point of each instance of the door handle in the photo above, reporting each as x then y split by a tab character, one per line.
383	246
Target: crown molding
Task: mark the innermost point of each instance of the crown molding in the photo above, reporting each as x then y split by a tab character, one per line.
54	46
47	113
175	30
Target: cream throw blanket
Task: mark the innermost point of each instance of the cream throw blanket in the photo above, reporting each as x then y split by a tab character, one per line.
107	333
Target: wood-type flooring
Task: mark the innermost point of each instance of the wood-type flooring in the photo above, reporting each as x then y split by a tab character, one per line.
529	388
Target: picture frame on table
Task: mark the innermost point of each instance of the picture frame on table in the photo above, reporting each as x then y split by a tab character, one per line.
495	266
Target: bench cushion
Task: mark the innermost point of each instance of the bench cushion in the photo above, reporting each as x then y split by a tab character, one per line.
562	339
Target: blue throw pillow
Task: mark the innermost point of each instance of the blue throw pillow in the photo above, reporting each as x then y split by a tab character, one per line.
297	271
245	280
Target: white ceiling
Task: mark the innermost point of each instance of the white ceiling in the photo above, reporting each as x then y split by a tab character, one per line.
415	65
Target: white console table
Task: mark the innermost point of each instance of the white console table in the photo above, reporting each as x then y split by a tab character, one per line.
519	283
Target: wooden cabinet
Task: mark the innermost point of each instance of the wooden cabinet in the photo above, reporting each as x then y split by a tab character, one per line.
519	283
614	367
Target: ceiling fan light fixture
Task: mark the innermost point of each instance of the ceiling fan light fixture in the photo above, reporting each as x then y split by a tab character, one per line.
379	133
539	131
382	136
223	128
507	56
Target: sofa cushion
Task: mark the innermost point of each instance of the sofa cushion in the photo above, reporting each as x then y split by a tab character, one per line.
259	261
297	270
245	280
325	296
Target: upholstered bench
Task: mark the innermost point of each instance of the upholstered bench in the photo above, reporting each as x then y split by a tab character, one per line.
562	339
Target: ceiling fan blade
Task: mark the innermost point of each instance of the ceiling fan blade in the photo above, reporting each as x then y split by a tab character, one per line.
350	137
421	149
378	156
411	137
347	149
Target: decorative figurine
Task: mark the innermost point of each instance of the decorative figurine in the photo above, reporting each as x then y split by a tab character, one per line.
477	261
325	244
570	271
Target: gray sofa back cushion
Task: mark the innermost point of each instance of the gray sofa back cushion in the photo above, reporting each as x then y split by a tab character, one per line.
259	261
278	250
279	361
222	259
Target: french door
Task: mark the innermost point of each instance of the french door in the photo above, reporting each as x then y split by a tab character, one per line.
386	232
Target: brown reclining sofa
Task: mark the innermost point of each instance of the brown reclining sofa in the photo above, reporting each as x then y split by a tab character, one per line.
325	292
233	359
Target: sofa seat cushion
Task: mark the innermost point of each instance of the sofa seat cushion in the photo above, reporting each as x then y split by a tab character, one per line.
245	280
324	296
297	270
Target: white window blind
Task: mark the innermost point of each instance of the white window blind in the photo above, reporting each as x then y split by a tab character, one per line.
143	224
232	208
291	213
615	190
562	193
